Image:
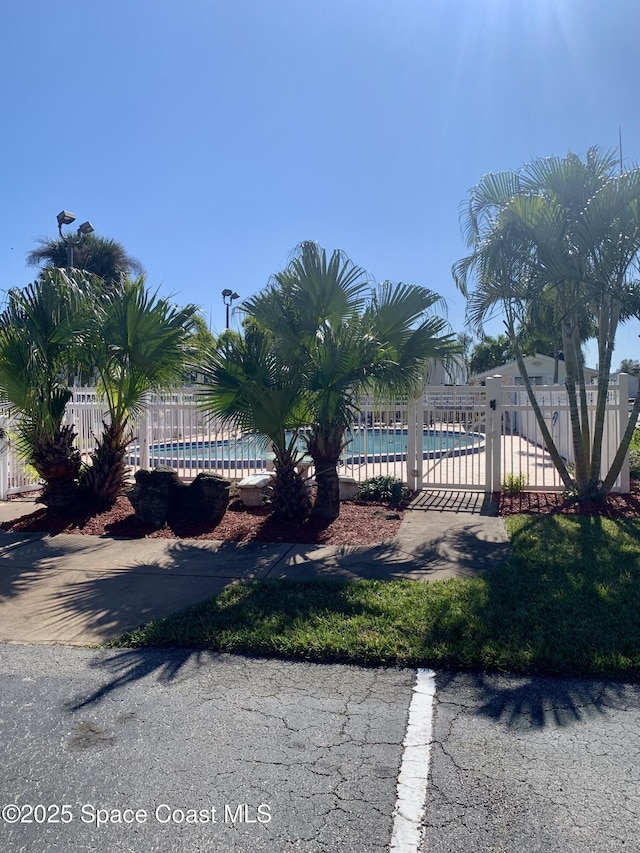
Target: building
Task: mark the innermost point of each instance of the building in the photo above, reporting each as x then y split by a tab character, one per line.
540	369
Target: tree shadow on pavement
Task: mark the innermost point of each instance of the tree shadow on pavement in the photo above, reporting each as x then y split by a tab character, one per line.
465	502
536	702
103	604
25	557
463	551
126	667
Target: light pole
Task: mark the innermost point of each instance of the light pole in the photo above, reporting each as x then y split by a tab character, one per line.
227	297
66	218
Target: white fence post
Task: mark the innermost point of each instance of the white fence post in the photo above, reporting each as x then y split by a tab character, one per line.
493	404
414	460
4	460
624	479
143	439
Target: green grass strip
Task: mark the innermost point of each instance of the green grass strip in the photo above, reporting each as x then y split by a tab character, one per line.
568	603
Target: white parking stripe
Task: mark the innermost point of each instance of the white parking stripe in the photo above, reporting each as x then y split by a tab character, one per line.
406	835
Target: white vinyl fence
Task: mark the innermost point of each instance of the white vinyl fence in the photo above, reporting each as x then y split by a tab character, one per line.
495	434
453	437
522	446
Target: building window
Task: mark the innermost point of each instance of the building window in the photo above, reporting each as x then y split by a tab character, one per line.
535	380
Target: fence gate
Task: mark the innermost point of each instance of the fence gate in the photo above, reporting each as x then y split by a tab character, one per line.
474	438
450	447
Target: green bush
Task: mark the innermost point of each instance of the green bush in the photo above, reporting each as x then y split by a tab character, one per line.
634	462
382	488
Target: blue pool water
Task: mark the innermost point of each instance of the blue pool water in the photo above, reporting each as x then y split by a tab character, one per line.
363	445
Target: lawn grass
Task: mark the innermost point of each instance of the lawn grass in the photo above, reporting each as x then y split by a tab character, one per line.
567	603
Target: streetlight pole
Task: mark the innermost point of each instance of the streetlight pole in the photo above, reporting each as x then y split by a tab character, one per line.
66	218
227	297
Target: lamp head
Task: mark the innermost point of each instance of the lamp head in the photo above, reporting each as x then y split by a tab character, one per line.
65	218
85	228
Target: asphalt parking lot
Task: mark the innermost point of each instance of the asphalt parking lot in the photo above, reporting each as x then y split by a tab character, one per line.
156	750
212	753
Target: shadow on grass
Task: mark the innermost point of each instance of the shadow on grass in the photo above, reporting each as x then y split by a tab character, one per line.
105	602
568	602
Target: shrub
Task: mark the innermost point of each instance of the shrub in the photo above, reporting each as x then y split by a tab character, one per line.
382	488
514	483
634	462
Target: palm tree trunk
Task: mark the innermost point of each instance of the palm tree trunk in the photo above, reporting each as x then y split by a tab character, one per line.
325	449
290	498
106	477
327	503
584	409
574	413
58	462
608	325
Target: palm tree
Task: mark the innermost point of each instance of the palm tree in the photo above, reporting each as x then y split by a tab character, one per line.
249	387
489	353
137	342
463	361
105	258
630	366
201	343
560	235
40	333
345	338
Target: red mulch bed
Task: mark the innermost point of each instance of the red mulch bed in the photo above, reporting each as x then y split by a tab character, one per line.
358	524
556	503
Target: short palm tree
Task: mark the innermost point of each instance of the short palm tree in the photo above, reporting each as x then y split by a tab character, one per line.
137	344
249	387
41	332
345	338
100	256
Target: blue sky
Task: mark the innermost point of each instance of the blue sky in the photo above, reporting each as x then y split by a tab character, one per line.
210	138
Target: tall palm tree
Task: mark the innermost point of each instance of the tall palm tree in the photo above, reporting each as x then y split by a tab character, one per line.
345	338
105	258
489	353
137	343
561	234
248	386
41	332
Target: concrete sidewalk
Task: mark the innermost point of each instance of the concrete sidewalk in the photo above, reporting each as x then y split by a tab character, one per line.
75	589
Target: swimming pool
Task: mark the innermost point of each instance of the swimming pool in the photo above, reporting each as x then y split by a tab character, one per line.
364	445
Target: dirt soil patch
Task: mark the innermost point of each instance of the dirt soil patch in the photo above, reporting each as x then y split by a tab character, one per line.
358	524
